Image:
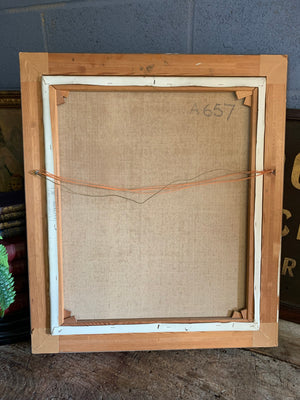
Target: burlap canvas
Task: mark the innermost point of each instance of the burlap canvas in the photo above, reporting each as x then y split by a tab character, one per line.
180	254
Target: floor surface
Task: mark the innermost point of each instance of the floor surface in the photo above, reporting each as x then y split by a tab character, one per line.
233	374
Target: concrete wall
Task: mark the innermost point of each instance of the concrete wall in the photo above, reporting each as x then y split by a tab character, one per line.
150	26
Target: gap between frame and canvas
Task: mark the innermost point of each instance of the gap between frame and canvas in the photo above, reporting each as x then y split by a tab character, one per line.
51	205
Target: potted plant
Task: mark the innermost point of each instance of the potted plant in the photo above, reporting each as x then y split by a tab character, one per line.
14	311
7	292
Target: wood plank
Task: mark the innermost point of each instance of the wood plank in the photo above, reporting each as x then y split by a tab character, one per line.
266	336
32	66
272	200
154	64
154	341
35	204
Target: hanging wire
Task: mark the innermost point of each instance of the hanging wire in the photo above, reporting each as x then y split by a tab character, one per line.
172	186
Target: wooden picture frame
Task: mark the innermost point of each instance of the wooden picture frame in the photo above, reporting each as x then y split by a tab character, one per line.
261	82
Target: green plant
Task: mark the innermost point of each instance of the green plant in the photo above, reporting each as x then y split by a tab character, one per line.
7	292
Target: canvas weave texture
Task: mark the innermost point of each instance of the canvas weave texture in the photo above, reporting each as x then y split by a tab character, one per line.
180	254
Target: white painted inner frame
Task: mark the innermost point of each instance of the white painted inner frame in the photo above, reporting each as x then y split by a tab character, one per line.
56	329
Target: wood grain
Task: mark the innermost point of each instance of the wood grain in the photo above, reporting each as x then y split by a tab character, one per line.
250	244
154	64
272	200
154	341
33	66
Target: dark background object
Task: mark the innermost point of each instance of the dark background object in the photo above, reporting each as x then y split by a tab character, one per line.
15	325
290	260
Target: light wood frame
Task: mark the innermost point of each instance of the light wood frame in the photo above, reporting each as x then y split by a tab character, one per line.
257	330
